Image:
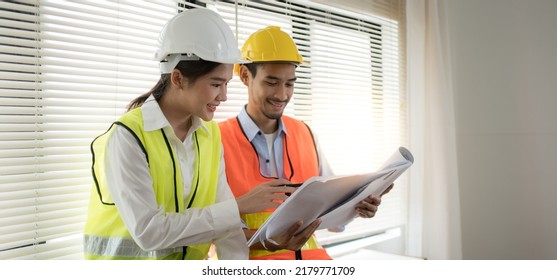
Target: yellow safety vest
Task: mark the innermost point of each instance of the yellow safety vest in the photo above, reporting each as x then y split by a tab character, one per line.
106	236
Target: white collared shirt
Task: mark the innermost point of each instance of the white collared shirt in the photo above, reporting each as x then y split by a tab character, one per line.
131	188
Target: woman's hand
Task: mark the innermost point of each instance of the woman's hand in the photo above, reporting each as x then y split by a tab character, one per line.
267	195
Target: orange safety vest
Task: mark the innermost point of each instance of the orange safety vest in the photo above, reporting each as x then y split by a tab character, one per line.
300	162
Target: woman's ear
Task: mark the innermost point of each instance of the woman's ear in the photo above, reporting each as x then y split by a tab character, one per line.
177	79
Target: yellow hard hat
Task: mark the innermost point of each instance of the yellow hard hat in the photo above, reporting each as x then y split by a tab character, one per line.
270	44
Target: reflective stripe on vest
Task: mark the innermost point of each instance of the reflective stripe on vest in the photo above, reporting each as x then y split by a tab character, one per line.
98	247
300	163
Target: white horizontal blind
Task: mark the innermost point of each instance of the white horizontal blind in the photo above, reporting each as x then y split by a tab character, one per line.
68	69
349	88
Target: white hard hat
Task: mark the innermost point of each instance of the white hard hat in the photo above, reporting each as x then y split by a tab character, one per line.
193	34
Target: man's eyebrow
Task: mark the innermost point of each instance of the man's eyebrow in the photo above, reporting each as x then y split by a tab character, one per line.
276	78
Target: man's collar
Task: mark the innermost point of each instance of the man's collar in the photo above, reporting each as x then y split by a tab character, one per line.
250	127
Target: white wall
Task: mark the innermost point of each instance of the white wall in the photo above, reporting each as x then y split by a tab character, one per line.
504	56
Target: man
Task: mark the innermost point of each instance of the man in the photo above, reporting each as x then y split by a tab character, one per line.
265	151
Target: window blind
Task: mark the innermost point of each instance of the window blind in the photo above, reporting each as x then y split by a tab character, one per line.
69	68
349	87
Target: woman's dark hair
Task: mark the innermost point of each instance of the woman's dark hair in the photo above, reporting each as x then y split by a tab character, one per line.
191	69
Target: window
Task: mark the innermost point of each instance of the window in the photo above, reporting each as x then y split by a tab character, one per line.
349	90
68	69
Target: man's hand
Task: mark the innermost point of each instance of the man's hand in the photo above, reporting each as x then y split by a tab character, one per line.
290	240
368	207
267	195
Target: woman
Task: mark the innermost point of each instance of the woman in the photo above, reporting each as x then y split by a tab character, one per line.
160	187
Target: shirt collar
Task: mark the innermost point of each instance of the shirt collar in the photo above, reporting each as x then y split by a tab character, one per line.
251	129
153	117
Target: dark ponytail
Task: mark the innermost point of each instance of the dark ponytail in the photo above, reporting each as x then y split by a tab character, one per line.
191	70
157	91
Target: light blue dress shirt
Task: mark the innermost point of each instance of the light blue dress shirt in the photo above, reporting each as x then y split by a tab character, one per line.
257	138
